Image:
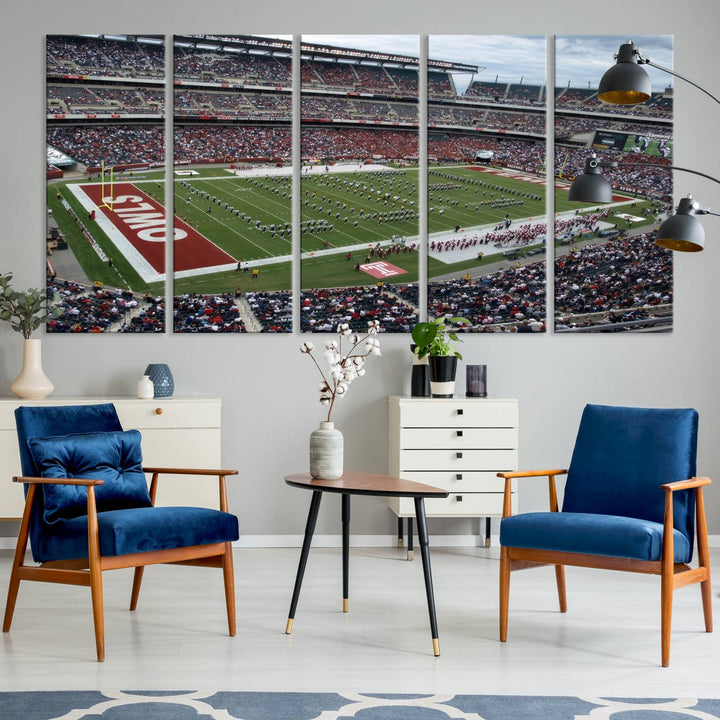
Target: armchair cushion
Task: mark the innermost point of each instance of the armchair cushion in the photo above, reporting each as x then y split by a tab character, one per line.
114	457
142	529
592	534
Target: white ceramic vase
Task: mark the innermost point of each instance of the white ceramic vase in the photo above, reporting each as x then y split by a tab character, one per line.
145	388
326	452
32	383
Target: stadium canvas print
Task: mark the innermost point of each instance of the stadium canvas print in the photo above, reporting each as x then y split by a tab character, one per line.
232	183
487	227
609	274
105	191
359	182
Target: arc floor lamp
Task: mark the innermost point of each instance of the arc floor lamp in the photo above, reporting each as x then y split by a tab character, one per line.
627	83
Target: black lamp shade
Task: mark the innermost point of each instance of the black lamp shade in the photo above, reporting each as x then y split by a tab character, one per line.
591	186
625	83
683	231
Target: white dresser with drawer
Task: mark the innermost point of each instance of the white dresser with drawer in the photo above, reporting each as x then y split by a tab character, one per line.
182	432
458	444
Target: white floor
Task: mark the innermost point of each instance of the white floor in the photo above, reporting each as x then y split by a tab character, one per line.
607	644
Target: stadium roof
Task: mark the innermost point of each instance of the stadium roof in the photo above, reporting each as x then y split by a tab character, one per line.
236	43
257	44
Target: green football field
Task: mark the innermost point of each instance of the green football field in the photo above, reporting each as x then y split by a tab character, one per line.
249	217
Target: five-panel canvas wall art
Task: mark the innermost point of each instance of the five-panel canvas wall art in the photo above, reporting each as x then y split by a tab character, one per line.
401	187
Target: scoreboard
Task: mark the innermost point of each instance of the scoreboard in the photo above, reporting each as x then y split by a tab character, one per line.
607	140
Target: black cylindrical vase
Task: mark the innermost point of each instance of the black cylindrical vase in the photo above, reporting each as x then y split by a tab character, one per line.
420	380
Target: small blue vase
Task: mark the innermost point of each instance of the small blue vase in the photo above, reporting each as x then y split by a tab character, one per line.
162	379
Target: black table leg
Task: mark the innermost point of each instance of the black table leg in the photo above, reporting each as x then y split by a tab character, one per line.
309	530
346	548
400	532
487	532
410	551
425	553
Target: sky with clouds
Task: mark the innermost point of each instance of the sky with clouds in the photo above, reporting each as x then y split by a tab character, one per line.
579	60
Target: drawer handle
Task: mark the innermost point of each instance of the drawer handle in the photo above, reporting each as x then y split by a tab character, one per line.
458	455
158	411
458	476
459	433
458	498
460	411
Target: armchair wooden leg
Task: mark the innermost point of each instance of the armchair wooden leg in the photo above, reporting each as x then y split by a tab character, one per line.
560	580
96	590
704	559
11	598
666	598
96	587
137	581
229	578
504	592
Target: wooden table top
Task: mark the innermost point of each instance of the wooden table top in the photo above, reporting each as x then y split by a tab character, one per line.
364	483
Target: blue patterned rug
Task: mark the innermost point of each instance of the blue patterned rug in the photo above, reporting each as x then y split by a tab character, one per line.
189	705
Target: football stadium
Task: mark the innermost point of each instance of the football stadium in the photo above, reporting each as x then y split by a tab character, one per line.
359	238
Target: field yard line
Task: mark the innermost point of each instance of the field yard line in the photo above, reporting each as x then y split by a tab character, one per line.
252	242
254	191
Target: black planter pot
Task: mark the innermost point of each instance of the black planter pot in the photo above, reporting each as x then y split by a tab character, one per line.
442	375
420	379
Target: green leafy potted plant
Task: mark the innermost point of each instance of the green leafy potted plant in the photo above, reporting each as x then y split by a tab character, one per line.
26	311
435	339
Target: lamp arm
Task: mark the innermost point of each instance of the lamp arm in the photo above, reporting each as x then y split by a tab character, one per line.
646	61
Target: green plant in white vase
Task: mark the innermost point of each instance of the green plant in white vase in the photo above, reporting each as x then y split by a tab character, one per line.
25	312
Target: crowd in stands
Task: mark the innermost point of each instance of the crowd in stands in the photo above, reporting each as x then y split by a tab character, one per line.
227	143
608	283
206	314
626	274
77	55
392	305
272	309
76	99
499	302
91	309
111	144
242	68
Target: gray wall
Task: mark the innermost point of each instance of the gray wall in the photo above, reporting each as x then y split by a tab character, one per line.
268	388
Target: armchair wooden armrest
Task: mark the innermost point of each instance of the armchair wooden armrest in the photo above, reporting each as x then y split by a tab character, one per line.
188	471
220	474
668	554
509	476
57	481
695	482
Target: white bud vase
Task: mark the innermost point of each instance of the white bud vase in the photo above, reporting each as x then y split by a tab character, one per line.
145	388
32	383
326	452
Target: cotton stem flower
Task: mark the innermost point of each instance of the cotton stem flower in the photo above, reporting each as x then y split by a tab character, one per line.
343	365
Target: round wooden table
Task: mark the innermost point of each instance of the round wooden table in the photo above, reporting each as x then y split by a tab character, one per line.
362	483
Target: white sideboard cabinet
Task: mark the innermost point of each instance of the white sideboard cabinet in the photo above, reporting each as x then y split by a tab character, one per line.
458	444
176	432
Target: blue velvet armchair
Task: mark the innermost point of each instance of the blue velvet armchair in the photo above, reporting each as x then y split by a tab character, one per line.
632	502
88	509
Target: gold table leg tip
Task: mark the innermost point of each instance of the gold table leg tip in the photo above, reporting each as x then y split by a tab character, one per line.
288	627
410	554
346	605
436	647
